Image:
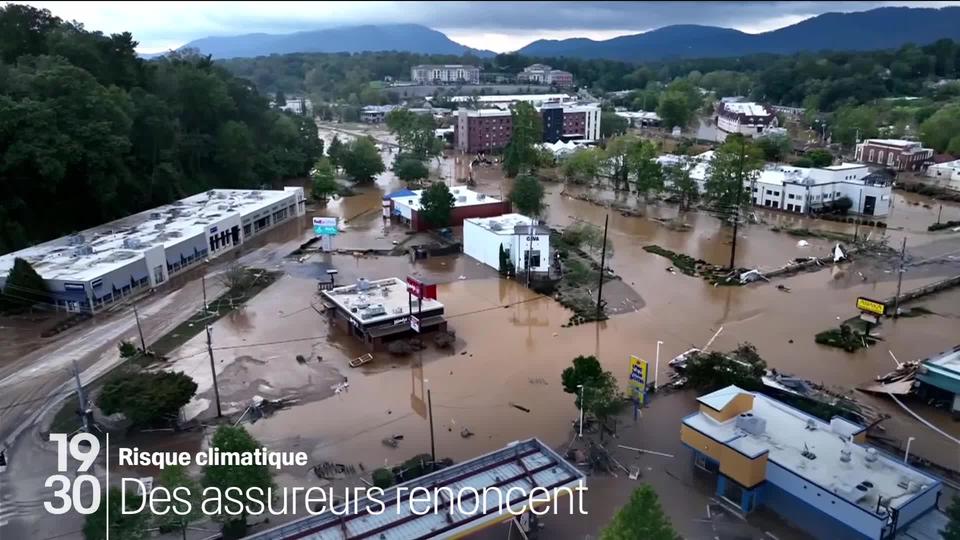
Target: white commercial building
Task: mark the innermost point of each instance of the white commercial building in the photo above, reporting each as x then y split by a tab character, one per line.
92	269
749	119
803	190
521	238
948	174
505	101
446	73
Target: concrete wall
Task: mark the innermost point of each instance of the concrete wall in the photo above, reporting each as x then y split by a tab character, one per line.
921	504
520	244
481	244
805	516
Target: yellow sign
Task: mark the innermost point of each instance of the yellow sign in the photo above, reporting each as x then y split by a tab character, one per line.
865	304
638	378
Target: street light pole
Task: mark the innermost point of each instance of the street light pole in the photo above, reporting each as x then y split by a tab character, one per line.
433	447
213	372
580	433
603	257
906	455
656	367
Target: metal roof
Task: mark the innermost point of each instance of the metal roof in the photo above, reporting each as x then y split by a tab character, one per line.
523	464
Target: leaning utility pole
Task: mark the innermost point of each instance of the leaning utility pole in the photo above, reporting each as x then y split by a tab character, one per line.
603	259
213	371
896	299
433	446
143	343
81	398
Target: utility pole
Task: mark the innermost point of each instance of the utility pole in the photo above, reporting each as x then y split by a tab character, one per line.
603	259
896	299
939	212
203	284
81	398
736	211
213	371
433	446
143	343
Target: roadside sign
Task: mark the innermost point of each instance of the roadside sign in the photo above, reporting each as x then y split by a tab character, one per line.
415	324
870	318
325	226
420	289
638	378
871	306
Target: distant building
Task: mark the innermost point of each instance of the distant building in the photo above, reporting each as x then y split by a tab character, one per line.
90	270
943	373
897	154
640	118
794	112
445	74
747	118
466	204
821	476
506	101
522	239
297	105
947	172
375	114
802	190
487	130
378	312
544	74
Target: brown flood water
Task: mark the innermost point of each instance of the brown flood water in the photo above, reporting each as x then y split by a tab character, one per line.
511	347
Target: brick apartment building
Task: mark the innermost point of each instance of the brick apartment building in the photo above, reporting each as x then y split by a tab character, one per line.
896	154
488	130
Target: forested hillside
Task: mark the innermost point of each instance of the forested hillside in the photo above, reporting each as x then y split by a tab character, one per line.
90	132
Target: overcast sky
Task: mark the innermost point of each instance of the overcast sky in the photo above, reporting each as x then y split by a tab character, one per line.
497	26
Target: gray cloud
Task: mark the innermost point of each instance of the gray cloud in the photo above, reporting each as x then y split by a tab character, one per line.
160	25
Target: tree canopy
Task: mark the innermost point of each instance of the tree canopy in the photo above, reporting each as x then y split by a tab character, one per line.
436	203
361	160
409	168
324	180
236	439
176	479
601	395
642	517
527	195
89	124
147	398
521	154
415	134
735	164
122	526
24	287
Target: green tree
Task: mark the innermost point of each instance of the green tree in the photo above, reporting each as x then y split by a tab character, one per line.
583	370
280	99
335	151
942	129
122	526
820	157
527	195
674	109
742	367
774	147
127	349
324	180
436	203
648	174
848	122
612	124
601	396
952	531
176	479
681	184
583	166
617	159
147	398
415	134
520	155
24	287
642	517
361	160
735	165
383	478
243	477
410	169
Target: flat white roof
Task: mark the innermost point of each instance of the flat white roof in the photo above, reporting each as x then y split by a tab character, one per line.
893	142
514	97
505	224
376	301
461	197
844	167
114	244
949	360
748	108
787	437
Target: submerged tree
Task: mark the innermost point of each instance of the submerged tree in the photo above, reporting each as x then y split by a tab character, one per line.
734	167
436	203
229	439
324	180
527	195
361	160
521	154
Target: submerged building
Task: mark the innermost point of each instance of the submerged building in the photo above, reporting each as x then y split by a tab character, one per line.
487	130
819	475
520	239
92	269
405	207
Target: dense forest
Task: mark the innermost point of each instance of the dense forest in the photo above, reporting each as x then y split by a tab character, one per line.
90	132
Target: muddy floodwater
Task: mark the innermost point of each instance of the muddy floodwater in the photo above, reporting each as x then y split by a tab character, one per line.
501	380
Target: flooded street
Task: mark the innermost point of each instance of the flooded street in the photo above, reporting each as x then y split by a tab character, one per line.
511	344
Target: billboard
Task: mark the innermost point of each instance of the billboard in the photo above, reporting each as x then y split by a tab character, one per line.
871	306
325	226
421	290
638	378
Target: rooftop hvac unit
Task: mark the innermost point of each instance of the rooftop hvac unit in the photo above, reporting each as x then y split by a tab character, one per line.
373	311
155	215
753	425
481	196
363	284
82	250
864	490
845	455
462	198
222	206
76	240
132	243
495	226
871	456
